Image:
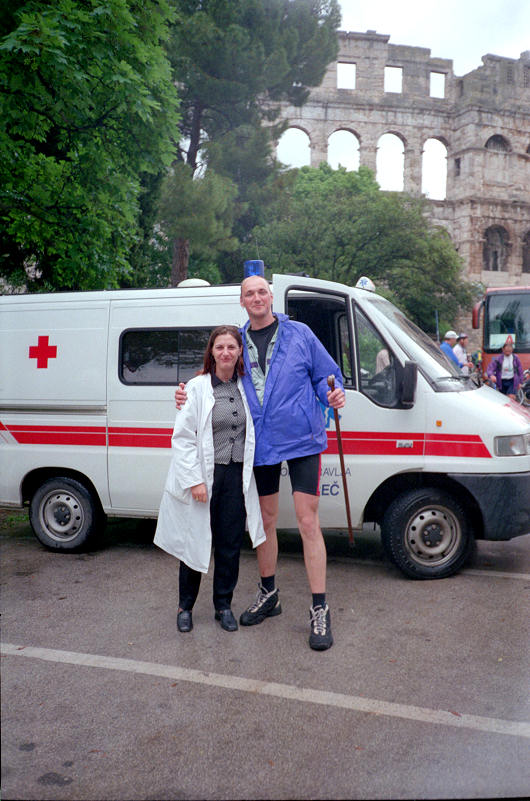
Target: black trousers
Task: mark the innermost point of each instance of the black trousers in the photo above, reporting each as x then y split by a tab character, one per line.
227	520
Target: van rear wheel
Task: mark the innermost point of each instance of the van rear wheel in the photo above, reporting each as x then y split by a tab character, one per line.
64	514
426	534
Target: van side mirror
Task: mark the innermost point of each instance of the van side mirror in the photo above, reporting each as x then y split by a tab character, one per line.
407	384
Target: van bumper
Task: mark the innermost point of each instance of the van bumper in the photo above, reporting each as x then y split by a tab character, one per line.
504	500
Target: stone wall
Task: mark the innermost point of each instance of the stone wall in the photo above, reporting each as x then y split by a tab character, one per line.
488	187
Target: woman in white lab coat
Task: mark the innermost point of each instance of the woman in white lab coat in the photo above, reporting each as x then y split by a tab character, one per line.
210	487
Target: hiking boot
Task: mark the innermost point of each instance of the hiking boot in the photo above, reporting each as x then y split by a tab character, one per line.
320	638
267	604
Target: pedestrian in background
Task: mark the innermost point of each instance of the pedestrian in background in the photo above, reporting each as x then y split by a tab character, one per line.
447	346
460	351
506	370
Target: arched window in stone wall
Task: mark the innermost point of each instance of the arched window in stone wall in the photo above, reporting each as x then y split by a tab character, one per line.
526	252
343	150
294	148
390	162
495	249
434	169
498	143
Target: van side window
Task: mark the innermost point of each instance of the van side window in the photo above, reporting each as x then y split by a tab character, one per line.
161	355
377	365
327	317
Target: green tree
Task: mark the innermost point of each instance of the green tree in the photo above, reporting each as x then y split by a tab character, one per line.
196	212
234	61
88	110
338	225
245	154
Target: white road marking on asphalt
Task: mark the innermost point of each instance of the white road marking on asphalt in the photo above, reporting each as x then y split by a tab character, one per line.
344	560
305	695
496	574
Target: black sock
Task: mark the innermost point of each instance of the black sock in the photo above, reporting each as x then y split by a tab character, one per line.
319	599
267	582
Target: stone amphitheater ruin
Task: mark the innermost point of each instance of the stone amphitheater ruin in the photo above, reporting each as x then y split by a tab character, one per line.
482	120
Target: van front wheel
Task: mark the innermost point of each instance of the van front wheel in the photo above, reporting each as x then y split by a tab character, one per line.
64	514
426	535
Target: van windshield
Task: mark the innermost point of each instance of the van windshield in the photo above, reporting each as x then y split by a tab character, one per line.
435	366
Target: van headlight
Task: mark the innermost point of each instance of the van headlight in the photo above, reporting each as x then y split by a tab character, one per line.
518	445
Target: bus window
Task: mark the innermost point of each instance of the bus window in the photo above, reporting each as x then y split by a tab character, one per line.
506	314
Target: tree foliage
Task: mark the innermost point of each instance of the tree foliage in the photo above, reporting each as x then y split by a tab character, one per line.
88	110
234	61
198	211
338	225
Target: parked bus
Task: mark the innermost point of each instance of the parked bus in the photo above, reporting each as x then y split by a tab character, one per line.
503	312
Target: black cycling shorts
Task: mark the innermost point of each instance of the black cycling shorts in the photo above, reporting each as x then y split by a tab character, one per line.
304	472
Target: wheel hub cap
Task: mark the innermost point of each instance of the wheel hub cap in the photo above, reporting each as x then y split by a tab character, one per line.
433	535
61	515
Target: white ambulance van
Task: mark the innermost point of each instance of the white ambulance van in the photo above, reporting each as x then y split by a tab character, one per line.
87	410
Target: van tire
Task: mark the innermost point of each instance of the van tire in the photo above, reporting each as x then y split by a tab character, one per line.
65	515
426	535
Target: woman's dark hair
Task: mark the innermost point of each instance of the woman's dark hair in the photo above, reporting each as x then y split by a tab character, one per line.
209	362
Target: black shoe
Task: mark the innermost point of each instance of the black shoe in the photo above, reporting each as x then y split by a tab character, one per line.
320	638
227	620
267	604
184	621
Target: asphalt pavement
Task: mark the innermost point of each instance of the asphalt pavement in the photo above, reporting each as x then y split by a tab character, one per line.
424	695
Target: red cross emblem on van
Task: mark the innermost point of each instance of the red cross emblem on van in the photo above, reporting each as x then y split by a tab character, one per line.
42	352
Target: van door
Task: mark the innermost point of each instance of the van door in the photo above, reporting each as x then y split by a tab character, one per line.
379	438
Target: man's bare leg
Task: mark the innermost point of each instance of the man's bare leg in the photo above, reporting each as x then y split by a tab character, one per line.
267	603
267	552
306	508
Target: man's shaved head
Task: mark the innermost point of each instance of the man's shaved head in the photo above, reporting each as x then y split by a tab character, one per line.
252	278
256	299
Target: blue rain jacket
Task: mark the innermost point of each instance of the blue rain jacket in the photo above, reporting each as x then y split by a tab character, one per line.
291	423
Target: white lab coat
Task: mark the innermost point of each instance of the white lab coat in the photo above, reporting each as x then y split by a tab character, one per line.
183	528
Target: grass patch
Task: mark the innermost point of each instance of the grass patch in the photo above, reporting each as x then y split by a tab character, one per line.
11	518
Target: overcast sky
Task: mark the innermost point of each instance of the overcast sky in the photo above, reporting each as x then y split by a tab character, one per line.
462	30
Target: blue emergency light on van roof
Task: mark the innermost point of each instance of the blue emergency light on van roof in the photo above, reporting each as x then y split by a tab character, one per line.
254	267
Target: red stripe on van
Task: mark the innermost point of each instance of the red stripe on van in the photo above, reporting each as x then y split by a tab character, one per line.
381	435
457	445
374	443
140	437
377	443
380	443
58	435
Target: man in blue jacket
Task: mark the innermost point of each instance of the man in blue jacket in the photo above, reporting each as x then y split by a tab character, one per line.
447	347
286	371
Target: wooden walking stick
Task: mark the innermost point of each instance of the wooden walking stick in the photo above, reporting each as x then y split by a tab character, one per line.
331	384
